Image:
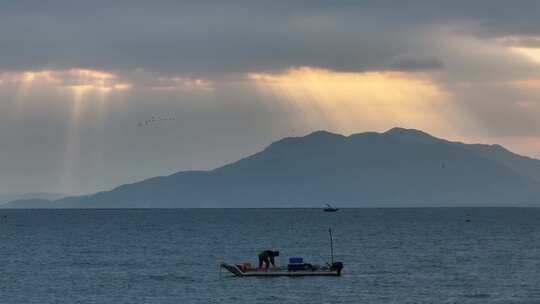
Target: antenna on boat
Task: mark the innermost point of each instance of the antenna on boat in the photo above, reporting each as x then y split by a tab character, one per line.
331	244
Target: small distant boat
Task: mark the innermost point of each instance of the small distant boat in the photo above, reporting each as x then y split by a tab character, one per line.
329	208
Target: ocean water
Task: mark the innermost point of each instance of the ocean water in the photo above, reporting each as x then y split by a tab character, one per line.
426	255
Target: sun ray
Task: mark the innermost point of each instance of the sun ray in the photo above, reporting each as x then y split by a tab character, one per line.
352	101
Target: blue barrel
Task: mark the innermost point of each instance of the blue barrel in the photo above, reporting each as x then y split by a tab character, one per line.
296	260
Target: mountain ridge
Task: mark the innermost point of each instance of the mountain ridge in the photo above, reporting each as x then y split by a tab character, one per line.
399	167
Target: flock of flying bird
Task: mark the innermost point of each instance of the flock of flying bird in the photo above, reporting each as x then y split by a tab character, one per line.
154	121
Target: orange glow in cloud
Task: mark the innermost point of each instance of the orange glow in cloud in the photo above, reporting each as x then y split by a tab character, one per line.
80	84
77	80
350	102
83	81
526	84
181	84
532	54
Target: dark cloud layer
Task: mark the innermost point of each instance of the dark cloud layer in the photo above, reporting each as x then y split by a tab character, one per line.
209	37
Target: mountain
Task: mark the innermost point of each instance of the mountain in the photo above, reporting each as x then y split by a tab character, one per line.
36	203
5	199
401	167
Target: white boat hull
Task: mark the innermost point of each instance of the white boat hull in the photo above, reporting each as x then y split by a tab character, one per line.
280	272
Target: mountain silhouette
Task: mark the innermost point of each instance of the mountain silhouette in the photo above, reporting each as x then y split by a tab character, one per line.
397	168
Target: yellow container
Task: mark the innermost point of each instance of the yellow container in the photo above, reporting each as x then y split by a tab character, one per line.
247	265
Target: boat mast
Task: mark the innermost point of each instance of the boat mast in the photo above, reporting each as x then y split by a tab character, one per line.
331	244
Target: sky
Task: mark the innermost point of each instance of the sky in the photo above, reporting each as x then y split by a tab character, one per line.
94	94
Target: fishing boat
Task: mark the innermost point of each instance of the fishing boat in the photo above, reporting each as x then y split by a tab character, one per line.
329	208
296	267
308	270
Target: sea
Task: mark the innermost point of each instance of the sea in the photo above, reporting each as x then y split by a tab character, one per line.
423	255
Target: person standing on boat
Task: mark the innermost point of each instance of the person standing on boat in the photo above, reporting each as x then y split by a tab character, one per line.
267	257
